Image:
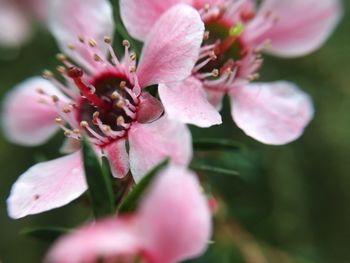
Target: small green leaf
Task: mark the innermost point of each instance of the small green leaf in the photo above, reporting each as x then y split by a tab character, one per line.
213	169
99	183
47	234
136	193
216	144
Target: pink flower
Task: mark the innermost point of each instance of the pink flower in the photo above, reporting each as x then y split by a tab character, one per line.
273	113
172	224
15	16
109	103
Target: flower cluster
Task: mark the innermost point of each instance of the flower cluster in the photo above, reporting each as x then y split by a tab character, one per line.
194	52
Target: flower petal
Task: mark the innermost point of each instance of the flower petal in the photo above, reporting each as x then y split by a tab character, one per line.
272	113
172	46
153	142
150	108
46	186
302	26
118	158
25	120
175	217
187	102
140	15
90	19
14	25
215	97
111	238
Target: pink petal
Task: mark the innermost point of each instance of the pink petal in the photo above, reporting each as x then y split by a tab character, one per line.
272	113
140	15
91	19
175	217
25	120
187	102
118	158
172	46
215	98
153	142
14	25
150	108
302	26
110	238
46	186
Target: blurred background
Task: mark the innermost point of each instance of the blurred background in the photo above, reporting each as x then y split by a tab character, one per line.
289	204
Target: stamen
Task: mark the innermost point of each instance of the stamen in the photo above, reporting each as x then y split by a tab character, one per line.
84	124
92	43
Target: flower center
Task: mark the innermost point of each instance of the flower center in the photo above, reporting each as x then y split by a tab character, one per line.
224	58
108	105
227	45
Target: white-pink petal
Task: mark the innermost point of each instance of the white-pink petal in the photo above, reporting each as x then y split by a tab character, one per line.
14	25
90	19
151	143
172	46
187	102
118	158
46	186
25	119
140	15
301	26
112	238
174	217
272	113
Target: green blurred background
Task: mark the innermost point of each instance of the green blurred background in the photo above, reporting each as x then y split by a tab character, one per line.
290	203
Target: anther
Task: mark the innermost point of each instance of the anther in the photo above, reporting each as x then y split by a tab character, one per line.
92	42
67	133
132	69
126	43
215	72
61	57
66	110
76	131
71	46
115	95
55	98
59	120
84	124
120	104
61	69
133	56
47	74
107	40
206	7
97	58
81	39
106	128
40	90
120	121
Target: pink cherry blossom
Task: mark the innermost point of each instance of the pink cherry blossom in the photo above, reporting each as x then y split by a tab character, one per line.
171	224
106	101
230	57
15	18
